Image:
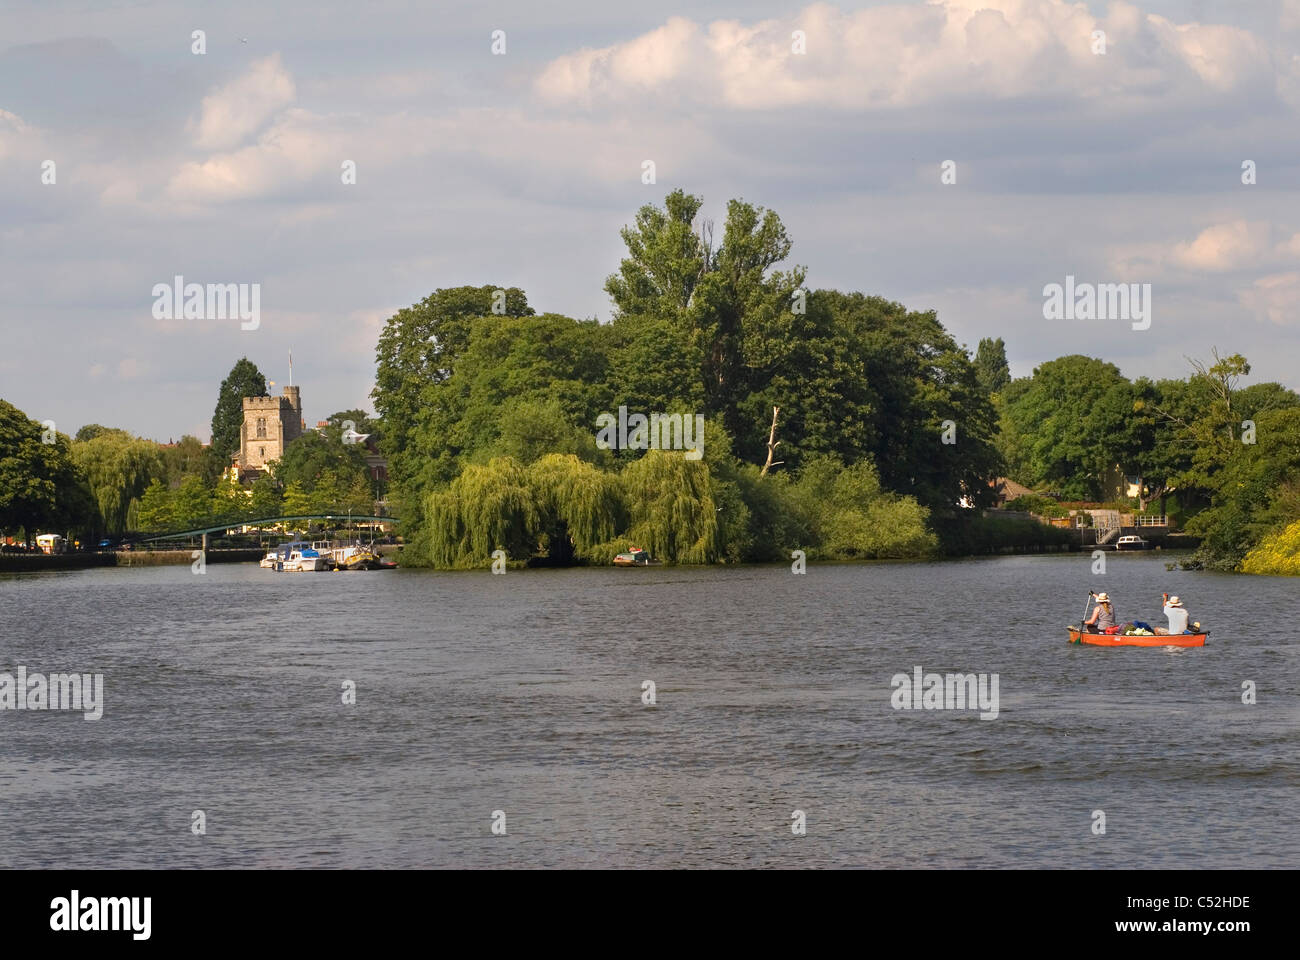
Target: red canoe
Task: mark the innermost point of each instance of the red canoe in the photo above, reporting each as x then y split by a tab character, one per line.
1119	640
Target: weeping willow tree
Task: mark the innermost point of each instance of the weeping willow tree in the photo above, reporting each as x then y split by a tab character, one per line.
671	509
118	468
488	507
579	503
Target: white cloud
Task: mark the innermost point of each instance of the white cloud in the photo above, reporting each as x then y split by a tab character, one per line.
1238	245
1227	246
1288	15
298	146
12	129
239	109
1275	297
904	55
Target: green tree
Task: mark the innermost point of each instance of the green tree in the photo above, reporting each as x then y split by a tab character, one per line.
851	517
666	259
729	311
420	346
245	380
578	505
118	468
653	365
991	368
193	505
915	387
738	305
342	492
187	457
530	428
92	430
266	499
670	507
40	484
362	423
1071	423
157	513
316	460
488	507
548	361
297	501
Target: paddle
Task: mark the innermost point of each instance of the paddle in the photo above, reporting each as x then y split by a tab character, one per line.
1091	595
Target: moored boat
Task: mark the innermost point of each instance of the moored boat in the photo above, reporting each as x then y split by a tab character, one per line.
295	557
1132	543
355	555
1140	640
636	557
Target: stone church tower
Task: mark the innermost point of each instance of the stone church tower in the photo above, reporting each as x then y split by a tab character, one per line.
270	425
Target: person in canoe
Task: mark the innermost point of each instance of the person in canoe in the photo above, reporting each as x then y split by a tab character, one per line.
1176	614
1103	615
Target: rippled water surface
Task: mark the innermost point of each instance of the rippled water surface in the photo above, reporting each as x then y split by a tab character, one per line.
522	693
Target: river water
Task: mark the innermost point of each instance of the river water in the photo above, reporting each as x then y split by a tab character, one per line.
522	693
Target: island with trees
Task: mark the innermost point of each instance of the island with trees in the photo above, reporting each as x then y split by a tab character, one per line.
836	423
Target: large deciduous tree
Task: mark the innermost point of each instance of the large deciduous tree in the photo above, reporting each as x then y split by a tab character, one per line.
1071	422
419	346
40	484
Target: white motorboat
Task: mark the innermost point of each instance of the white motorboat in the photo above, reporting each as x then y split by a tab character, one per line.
295	557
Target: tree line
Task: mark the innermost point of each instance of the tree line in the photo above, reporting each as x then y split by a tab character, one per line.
1221	458
838	423
106	482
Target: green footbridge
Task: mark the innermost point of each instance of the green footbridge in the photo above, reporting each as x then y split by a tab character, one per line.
265	522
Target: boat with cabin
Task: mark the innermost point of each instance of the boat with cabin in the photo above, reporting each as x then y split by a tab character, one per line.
296	556
353	555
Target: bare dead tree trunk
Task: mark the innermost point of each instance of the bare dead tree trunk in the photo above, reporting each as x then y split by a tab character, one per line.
772	444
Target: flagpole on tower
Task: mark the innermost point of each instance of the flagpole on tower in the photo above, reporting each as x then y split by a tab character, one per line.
291	366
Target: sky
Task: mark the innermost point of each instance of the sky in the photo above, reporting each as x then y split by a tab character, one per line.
519	167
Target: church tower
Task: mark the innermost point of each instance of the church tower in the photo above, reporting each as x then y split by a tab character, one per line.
270	425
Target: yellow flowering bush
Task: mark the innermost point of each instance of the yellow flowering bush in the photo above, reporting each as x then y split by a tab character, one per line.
1276	554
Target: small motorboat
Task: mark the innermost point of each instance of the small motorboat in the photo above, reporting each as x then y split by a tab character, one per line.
1138	640
355	555
636	557
1131	543
296	557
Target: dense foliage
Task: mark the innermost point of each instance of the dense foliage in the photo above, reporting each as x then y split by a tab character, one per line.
1224	456
884	422
41	488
